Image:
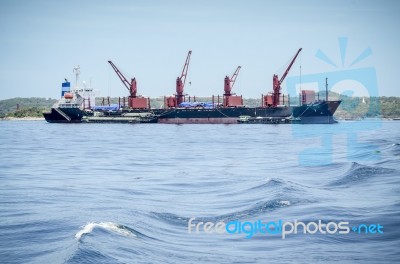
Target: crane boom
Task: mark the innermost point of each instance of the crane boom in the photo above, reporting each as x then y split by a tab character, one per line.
131	86
120	75
290	66
185	69
180	81
276	82
234	76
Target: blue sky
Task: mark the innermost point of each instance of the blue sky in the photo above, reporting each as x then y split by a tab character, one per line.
41	41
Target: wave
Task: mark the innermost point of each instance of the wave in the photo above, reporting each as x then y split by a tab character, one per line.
109	226
255	210
273	182
258	209
90	256
391	147
359	173
277	184
170	218
395	149
282	194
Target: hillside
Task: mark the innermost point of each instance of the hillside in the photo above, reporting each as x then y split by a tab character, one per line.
28	107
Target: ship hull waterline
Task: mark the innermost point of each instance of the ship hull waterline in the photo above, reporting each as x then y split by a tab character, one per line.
317	113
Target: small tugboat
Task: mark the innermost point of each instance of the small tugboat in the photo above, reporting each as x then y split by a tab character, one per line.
110	117
263	120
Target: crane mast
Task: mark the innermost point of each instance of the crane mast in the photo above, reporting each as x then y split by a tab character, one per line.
276	82
230	82
229	99
134	101
180	81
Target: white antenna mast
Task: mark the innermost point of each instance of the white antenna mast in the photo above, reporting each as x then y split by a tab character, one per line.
77	71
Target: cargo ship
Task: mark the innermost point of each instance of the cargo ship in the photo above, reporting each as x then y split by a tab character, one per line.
70	107
78	105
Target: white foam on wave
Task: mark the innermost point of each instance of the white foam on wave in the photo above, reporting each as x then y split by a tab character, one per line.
287	203
113	227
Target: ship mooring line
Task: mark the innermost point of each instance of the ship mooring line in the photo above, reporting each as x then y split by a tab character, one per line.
304	111
221	112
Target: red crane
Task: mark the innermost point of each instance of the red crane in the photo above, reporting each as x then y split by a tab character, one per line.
230	82
131	86
180	81
276	82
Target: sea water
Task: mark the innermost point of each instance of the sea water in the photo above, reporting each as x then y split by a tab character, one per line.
142	193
